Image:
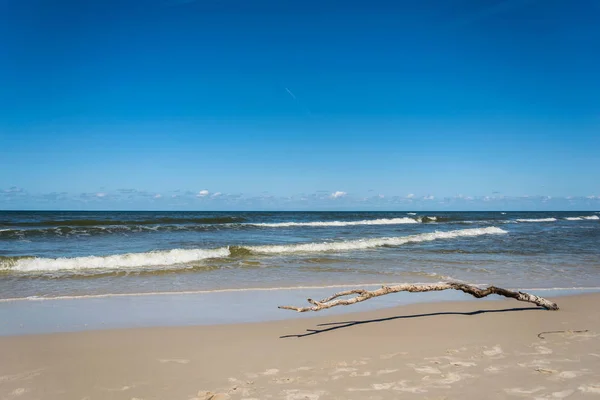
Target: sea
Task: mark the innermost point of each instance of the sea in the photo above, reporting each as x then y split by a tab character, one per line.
63	254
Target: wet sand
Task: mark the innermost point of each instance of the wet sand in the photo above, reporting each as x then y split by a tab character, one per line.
446	350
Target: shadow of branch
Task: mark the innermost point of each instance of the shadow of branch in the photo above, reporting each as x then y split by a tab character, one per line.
331	326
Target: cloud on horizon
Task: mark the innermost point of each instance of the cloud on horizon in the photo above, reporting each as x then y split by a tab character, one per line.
15	198
338	194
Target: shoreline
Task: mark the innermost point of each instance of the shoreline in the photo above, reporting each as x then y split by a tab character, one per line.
427	350
574	290
207	308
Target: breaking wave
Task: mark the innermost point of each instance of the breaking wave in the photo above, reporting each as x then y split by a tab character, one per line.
552	219
131	260
183	256
362	244
589	217
536	219
381	221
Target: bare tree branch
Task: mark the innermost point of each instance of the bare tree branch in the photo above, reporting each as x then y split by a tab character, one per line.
362	295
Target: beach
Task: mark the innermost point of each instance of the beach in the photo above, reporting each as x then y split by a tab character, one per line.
442	350
326	200
184	305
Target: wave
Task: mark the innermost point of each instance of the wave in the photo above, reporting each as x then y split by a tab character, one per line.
535	219
183	256
105	222
590	217
131	260
362	244
381	221
85	228
66	231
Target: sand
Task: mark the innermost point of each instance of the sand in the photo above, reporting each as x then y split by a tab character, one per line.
449	350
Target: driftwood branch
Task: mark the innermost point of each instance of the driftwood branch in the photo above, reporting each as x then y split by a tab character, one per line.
362	295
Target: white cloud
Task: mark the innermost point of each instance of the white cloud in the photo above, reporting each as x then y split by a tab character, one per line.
430	197
217	194
591	197
157	196
13	189
381	196
203	193
338	194
410	196
101	194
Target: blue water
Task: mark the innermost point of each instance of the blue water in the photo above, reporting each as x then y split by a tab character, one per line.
53	254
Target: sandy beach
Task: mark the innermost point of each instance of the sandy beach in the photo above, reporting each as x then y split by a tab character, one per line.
447	350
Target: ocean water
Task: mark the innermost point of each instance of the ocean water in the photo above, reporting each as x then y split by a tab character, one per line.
73	254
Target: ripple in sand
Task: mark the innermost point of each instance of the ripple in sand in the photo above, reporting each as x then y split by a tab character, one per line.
426	369
272	371
521	391
493	352
296	394
590	389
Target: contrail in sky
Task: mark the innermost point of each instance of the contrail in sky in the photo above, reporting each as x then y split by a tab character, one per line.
298	102
290	93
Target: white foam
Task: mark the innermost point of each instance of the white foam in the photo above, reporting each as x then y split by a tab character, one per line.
381	221
131	260
536	219
589	217
362	244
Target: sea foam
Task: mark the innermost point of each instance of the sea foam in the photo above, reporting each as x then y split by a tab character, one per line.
183	256
590	217
381	221
361	244
131	260
536	219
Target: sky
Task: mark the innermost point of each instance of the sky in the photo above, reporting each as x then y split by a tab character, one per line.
299	105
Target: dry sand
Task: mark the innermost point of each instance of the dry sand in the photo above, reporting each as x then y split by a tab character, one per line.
466	350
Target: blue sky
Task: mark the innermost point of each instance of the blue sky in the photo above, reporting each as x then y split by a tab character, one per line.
222	104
